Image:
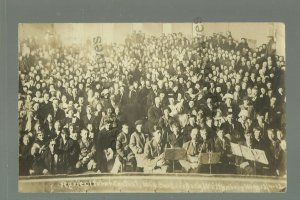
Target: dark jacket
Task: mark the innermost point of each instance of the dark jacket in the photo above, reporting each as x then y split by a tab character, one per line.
122	147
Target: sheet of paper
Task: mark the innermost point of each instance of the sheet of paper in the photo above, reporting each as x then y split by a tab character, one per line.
260	156
236	149
175	154
247	153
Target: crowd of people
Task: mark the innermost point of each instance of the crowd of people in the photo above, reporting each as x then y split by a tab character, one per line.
113	108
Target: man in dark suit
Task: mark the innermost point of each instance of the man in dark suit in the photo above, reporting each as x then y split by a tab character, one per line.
71	118
210	128
207	143
272	149
247	106
105	146
245	167
64	147
233	129
258	141
100	147
81	106
87	151
261	144
25	155
154	113
123	151
132	107
271	47
193	148
242	45
50	158
46	107
274	114
164	123
74	96
209	108
89	117
188	128
228	106
175	138
48	127
151	95
144	90
255	100
222	145
260	123
57	113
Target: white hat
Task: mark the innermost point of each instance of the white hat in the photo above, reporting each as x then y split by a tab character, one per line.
52	90
105	91
228	96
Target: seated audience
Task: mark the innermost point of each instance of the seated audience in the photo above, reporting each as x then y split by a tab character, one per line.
129	102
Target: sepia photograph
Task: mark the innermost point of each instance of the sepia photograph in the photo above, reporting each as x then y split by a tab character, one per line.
152	107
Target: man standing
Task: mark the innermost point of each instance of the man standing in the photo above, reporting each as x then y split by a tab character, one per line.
222	145
271	47
164	123
89	117
57	113
154	113
104	144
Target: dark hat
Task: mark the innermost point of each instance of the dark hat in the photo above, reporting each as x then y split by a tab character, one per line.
227	96
71	108
221	129
138	122
167	108
181	76
245	98
65	131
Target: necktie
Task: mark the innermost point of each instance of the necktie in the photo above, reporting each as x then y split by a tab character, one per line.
194	149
